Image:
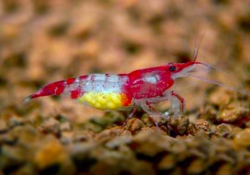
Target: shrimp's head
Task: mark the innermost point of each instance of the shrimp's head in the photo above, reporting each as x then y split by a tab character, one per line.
178	70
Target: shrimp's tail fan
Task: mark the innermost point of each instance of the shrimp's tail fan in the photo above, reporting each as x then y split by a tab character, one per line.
55	88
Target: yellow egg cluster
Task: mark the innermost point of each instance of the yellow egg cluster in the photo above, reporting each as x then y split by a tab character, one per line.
102	100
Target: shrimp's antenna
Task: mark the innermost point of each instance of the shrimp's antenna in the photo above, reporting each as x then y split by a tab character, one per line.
197	46
216	68
219	84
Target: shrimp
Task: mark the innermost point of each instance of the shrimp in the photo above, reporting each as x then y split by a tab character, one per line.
143	87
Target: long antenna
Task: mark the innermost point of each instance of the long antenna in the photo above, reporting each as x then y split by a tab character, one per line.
215	82
197	46
216	68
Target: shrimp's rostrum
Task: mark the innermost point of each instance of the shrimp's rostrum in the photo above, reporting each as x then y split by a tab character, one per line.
142	88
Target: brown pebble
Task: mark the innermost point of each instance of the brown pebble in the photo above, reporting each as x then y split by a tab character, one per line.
242	139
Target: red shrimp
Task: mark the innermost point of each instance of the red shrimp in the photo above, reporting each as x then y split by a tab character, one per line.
142	88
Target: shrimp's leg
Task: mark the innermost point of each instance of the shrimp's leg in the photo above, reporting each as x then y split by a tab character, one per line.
146	106
177	103
132	112
177	106
130	115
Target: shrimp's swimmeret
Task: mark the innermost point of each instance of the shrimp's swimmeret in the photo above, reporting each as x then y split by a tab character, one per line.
104	100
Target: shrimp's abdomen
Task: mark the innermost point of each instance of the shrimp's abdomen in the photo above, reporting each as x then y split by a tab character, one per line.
106	92
102	91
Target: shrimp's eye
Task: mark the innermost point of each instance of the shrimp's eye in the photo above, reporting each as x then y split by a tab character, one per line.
172	68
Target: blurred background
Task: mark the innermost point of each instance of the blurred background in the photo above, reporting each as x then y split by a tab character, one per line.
42	41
